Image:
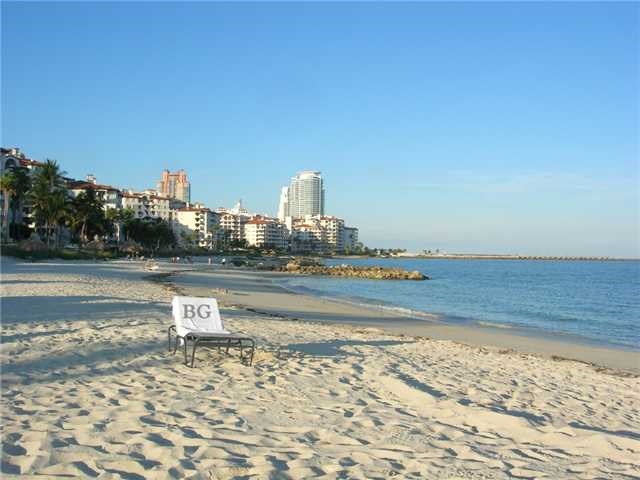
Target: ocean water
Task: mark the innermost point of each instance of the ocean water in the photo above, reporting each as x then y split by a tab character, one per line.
594	302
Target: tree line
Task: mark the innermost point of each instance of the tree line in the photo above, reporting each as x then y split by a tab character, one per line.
52	210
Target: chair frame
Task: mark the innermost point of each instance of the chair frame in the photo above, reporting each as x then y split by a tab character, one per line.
212	340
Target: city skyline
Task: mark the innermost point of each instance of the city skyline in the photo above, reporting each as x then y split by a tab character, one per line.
464	127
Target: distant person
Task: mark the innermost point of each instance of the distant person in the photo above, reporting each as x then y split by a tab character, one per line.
224	262
210	260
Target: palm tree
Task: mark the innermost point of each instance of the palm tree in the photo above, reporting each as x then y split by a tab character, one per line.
22	186
49	199
120	219
8	186
59	211
87	216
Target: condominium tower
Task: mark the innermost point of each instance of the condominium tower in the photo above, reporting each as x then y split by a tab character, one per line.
305	196
175	185
283	207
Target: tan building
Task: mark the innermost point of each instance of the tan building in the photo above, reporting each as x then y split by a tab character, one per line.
334	231
318	233
175	185
197	225
308	237
266	232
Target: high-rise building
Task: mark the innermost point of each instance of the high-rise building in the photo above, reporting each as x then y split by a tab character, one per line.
175	185
283	207
305	195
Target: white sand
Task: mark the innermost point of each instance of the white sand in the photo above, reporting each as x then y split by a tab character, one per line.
89	390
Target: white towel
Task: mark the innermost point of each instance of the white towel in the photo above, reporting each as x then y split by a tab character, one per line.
197	315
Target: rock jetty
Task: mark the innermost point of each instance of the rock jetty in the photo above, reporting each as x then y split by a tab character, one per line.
376	273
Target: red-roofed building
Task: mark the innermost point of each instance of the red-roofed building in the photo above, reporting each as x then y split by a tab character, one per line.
110	196
12	158
196	225
147	204
266	232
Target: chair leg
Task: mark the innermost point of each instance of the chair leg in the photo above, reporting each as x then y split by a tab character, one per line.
184	339
253	348
193	352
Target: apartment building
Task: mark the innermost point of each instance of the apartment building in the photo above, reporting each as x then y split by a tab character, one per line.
147	204
232	222
12	158
307	237
111	197
334	231
196	224
266	232
318	233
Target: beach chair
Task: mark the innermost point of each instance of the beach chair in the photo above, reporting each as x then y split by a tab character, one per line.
198	322
151	266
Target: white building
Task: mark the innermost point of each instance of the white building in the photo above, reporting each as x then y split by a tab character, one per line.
334	231
147	205
322	234
305	195
12	158
283	206
350	241
266	232
308	237
196	224
111	197
232	222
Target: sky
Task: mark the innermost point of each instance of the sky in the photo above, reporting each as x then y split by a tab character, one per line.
464	127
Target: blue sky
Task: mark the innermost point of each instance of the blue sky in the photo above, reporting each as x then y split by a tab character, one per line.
475	127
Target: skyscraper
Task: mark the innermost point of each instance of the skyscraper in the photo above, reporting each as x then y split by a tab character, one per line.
283	207
175	185
305	195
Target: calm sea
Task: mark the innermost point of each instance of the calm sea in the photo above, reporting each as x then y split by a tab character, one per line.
589	301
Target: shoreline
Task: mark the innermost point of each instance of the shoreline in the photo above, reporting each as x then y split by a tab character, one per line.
465	322
258	292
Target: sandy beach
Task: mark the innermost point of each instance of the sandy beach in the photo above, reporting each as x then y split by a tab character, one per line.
89	389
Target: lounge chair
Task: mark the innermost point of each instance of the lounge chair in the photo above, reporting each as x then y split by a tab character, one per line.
197	320
151	266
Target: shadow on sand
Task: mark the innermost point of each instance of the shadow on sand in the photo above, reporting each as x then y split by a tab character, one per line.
334	348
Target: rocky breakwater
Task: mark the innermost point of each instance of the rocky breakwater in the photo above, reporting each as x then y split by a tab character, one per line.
376	273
